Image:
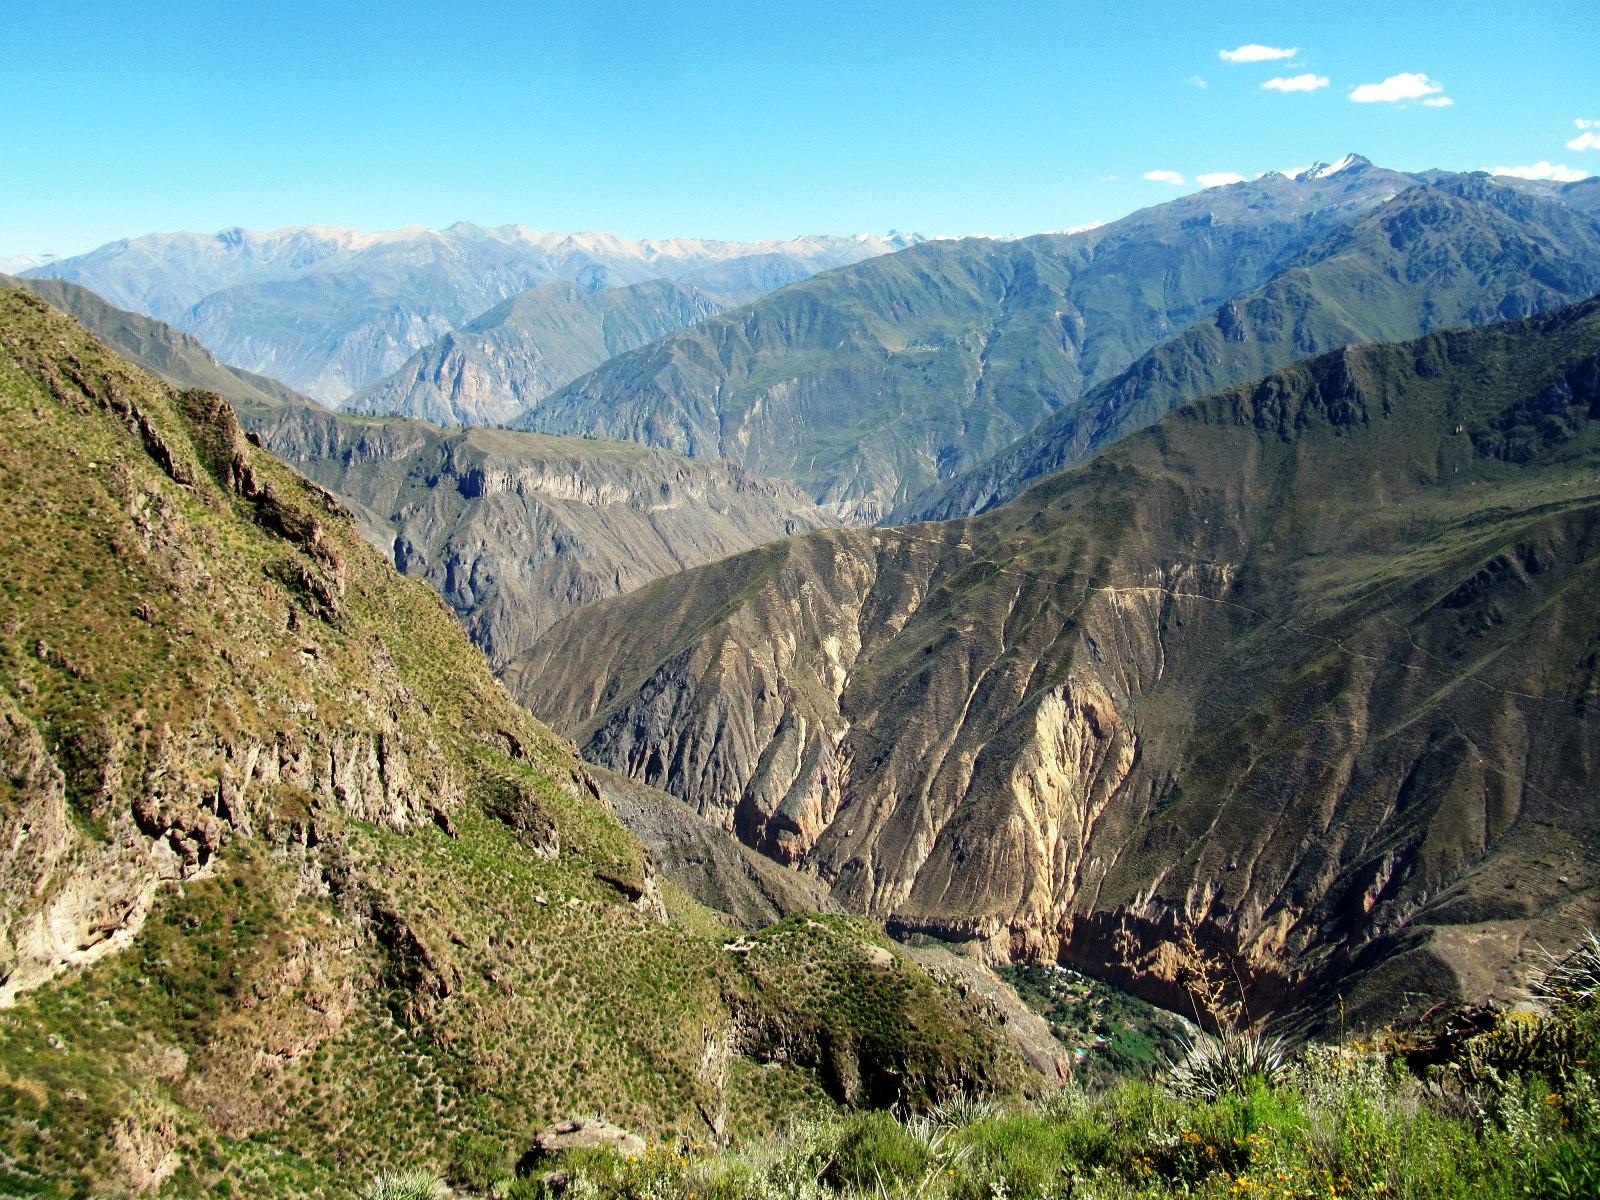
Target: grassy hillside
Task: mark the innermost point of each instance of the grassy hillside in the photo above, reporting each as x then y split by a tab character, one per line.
1311	663
293	890
171	355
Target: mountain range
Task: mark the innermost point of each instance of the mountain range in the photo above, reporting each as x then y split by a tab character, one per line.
509	358
872	386
328	311
1459	250
1311	662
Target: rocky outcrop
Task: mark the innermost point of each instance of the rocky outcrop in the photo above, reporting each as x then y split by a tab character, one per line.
1275	669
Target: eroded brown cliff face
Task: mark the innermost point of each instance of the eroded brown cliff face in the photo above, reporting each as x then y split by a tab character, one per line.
1311	665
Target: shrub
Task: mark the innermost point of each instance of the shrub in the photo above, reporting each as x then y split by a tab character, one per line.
874	1151
1212	1067
1572	980
406	1185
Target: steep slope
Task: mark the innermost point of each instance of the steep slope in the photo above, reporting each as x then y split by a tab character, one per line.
159	348
515	530
292	889
518	352
1313	663
329	311
1458	251
865	385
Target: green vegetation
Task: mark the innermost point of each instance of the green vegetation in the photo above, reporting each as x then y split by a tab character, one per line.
1393	1119
294	893
1111	1031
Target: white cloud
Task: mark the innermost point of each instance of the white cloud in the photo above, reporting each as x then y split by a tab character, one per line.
1582	124
1198	81
1438	102
1542	170
1164	177
1295	83
1254	52
1585	141
1070	229
1408	85
1218	179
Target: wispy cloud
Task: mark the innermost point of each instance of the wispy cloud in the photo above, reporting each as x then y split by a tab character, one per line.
1542	170
1164	177
1408	85
1254	52
1438	102
1588	140
1296	83
1213	179
1198	81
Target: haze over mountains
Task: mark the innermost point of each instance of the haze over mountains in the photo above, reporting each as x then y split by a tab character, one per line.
507	360
329	311
869	385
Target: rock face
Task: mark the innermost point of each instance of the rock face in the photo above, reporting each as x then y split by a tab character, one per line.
1311	664
515	530
718	871
517	353
329	311
1464	250
281	863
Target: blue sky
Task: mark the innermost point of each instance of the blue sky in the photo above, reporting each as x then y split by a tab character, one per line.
744	119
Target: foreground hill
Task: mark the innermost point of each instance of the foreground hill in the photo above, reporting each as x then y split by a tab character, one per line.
329	311
1313	662
518	352
292	889
1462	250
168	353
515	530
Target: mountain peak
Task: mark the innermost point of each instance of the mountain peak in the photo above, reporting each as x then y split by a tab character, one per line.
1322	170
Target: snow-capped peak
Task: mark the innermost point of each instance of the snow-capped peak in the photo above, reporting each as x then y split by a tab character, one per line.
1323	170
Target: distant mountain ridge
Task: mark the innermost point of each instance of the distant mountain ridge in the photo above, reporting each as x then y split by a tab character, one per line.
330	310
1455	250
868	384
508	359
875	386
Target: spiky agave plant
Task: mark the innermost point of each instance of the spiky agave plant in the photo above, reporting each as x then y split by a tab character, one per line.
1210	1067
1571	979
405	1185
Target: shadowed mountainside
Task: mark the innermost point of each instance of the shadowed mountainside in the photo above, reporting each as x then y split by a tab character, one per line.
1313	662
